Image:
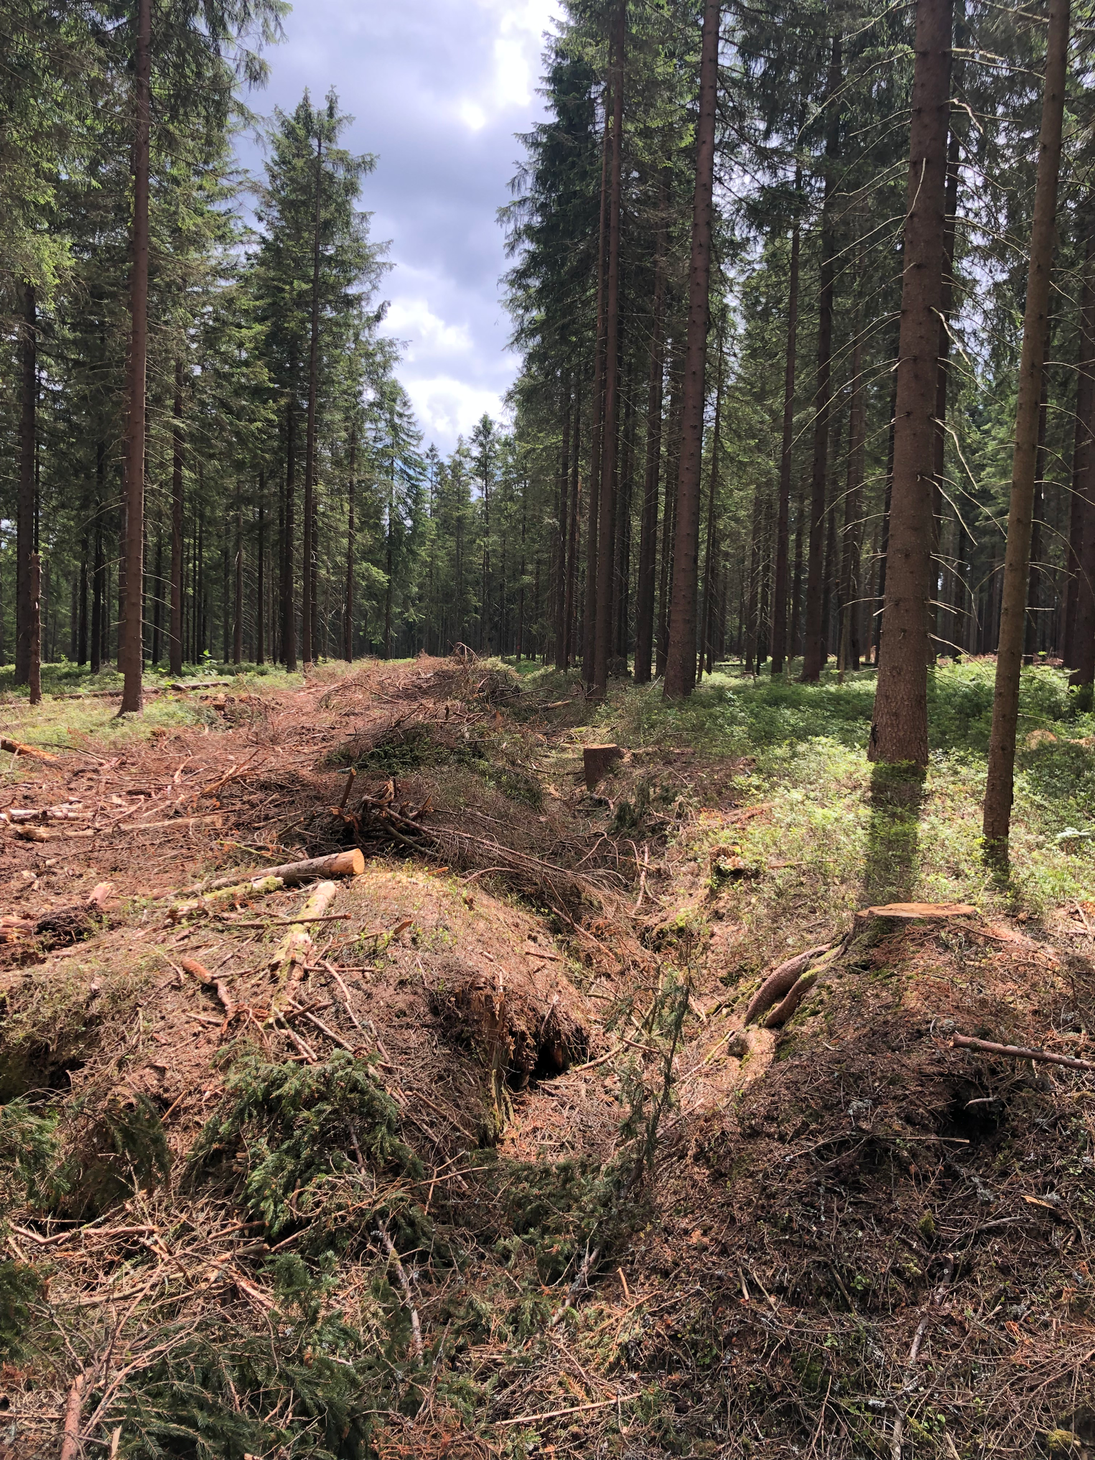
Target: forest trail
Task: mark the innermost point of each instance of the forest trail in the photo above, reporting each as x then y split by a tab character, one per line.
484	1160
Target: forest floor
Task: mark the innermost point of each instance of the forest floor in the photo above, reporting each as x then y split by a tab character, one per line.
488	1160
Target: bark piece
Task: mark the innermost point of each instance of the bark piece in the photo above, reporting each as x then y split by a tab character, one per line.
597	761
780	982
18	748
919	911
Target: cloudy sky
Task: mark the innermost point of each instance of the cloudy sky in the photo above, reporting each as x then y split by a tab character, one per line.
437	90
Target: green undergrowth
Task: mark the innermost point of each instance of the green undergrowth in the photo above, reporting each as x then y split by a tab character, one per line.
832	845
308	1144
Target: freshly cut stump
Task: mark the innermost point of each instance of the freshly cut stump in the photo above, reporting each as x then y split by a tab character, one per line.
525	1027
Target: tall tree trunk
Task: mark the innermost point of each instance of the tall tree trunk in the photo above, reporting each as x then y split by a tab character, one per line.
648	530
680	669
669	506
562	534
288	615
596	416
34	675
606	517
307	602
82	603
131	651
813	655
999	787
157	602
943	380
1079	645
899	733
348	604
852	552
178	447
237	624
783	510
570	648
24	507
260	576
1031	632
709	559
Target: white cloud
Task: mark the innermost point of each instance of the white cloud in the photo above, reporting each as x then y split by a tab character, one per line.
448	407
411	319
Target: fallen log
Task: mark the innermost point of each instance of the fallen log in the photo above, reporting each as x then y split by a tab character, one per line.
292	874
225	896
780	982
18	748
1019	1052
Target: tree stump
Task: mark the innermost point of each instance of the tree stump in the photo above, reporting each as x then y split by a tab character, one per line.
597	761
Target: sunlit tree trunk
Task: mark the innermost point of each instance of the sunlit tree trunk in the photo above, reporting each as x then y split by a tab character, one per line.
131	649
899	733
680	669
999	786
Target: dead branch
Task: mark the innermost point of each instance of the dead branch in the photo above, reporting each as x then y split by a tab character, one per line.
416	1327
1019	1052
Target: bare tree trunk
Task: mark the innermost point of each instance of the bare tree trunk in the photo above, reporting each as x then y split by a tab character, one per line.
709	553
680	669
237	625
260	575
648	530
562	534
348	606
288	616
572	547
850	566
783	511
131	651
1079	645
999	787
24	507
307	627
606	530
178	447
596	416
813	655
899	733
34	676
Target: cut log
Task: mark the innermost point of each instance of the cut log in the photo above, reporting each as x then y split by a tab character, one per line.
780	982
782	1012
337	864
18	748
295	947
597	761
1019	1052
919	911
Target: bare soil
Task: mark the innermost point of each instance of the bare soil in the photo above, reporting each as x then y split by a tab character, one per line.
652	1232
